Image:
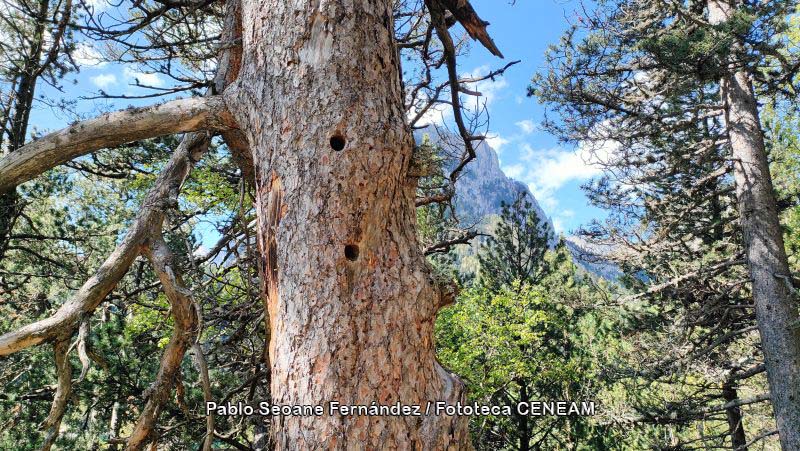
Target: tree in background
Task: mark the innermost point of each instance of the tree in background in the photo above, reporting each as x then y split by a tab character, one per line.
528	330
37	47
516	249
635	75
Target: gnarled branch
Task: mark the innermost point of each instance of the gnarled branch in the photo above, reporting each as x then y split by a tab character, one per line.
52	424
465	14
94	290
109	130
185	319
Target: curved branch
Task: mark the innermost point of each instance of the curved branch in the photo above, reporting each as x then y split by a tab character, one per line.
112	129
185	319
52	424
94	290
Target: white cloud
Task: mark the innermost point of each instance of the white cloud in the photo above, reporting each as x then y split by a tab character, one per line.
86	55
489	89
555	167
527	126
548	170
103	81
514	171
143	78
435	115
557	225
496	142
98	5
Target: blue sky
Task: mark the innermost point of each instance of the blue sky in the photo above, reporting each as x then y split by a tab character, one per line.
554	172
523	30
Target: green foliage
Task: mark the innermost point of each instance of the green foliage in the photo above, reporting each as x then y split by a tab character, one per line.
516	250
527	342
781	126
73	219
528	331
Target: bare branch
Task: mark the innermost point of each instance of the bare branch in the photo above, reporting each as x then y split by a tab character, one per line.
445	246
475	26
64	372
185	319
94	290
205	382
109	130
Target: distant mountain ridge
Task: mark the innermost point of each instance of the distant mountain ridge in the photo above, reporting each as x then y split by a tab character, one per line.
481	191
484	187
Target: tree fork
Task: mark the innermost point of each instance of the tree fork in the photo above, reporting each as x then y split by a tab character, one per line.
185	319
776	310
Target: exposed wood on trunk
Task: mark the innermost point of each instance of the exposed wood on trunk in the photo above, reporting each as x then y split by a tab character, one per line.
776	309
476	27
113	425
88	297
184	316
109	130
353	306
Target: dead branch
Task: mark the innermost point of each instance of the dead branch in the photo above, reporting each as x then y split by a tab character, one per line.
185	319
109	130
52	424
94	290
205	383
445	246
475	26
83	348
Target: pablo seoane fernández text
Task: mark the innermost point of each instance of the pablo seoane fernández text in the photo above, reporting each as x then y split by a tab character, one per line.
532	408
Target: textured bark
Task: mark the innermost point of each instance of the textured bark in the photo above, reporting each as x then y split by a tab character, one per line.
351	300
113	129
52	424
93	291
776	310
230	61
184	317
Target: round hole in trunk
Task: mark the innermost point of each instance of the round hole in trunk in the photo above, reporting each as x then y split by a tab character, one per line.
351	252
337	142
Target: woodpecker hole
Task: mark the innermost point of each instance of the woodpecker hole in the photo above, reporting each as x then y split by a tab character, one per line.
351	252
337	142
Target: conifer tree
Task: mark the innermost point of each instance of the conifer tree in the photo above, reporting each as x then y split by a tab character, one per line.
516	249
528	331
666	92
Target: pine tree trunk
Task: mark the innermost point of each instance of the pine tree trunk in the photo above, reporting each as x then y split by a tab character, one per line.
776	310
351	299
